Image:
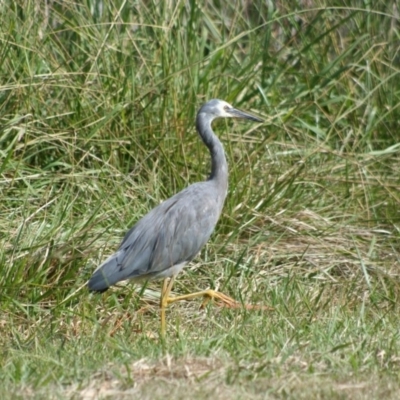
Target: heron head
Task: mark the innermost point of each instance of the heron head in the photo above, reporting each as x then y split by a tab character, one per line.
221	109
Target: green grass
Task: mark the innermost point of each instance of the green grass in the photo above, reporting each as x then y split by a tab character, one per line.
98	101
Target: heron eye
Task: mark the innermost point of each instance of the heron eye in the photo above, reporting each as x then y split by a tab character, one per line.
226	108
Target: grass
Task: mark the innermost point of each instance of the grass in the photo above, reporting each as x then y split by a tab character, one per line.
98	101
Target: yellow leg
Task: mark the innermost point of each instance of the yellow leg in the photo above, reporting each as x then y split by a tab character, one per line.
166	290
219	297
207	294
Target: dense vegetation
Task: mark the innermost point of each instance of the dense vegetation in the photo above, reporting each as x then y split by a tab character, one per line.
97	109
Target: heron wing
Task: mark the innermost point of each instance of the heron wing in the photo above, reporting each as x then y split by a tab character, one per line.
170	234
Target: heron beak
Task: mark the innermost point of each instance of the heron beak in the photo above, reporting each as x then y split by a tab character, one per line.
241	114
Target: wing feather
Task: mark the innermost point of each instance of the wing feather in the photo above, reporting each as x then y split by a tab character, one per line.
170	234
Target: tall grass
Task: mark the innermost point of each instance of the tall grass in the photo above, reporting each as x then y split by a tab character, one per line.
98	101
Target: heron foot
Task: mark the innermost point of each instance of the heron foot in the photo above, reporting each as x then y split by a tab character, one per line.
221	299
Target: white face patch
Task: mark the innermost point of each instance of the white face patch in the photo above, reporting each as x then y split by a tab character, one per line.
222	108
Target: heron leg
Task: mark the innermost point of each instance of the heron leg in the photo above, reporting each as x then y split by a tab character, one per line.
221	298
207	294
164	301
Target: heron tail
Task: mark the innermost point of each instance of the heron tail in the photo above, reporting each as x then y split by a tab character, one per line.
105	275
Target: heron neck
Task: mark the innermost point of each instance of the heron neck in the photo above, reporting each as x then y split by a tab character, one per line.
219	166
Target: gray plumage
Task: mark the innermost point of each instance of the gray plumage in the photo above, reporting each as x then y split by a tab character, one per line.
173	233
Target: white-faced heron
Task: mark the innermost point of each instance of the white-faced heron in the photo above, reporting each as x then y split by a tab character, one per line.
172	234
